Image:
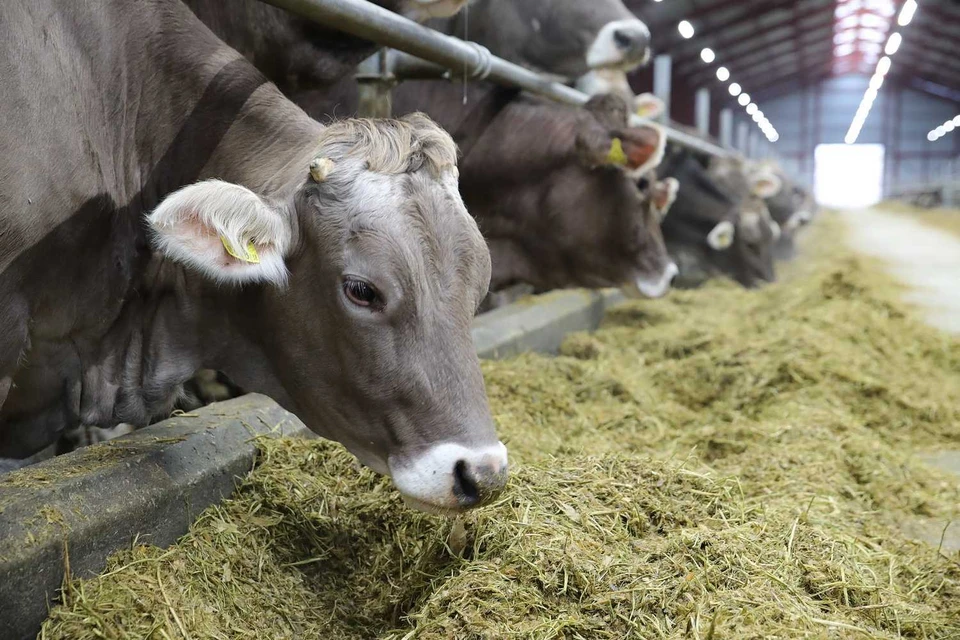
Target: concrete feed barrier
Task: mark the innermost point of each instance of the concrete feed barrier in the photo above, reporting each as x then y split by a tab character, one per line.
540	323
152	484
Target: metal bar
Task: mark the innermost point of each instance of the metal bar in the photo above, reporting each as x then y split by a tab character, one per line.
370	22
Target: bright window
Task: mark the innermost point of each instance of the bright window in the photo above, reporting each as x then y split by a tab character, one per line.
849	175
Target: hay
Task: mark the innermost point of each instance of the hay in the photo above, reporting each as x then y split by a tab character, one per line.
720	464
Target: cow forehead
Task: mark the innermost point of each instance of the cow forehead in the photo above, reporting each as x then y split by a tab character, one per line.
419	226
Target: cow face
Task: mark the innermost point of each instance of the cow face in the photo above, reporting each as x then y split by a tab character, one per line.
368	276
562	37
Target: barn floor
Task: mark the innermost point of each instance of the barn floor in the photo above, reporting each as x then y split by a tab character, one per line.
719	464
921	249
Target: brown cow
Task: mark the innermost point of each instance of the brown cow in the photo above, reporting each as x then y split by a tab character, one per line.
166	209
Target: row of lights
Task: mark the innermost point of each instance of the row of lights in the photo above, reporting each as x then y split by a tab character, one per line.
723	75
944	129
883	68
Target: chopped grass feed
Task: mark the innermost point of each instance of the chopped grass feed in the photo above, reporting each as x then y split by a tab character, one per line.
719	464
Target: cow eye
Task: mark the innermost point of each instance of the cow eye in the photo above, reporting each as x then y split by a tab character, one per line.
361	293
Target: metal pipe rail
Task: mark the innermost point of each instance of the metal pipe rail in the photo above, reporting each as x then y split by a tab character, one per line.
370	22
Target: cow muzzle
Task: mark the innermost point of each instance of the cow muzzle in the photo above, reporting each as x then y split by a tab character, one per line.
622	44
449	478
653	288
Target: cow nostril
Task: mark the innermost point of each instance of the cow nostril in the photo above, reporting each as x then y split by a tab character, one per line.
465	485
625	39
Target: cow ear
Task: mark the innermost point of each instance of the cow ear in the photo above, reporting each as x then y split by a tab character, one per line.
765	185
722	235
225	231
644	148
647	105
665	194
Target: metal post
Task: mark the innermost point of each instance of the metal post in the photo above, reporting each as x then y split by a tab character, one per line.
662	72
375	87
726	127
743	131
702	111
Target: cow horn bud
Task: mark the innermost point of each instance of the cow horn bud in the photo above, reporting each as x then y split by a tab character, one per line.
320	169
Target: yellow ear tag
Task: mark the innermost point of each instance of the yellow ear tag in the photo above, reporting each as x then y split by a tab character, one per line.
647	110
616	154
250	256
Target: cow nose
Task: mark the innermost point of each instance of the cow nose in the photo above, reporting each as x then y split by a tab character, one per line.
449	477
633	39
475	484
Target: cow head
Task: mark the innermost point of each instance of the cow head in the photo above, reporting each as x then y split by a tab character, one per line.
751	184
562	37
361	280
720	222
588	223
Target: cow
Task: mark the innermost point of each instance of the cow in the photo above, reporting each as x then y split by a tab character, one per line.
564	38
719	223
554	208
294	53
792	208
165	208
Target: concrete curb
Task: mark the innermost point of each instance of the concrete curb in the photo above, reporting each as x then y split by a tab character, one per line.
96	500
540	323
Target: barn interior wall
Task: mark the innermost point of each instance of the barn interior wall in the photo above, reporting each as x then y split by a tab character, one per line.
820	113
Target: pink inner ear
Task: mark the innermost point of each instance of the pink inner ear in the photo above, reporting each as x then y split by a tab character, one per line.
201	240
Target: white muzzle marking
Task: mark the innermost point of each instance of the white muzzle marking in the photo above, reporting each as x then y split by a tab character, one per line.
622	44
433	480
652	288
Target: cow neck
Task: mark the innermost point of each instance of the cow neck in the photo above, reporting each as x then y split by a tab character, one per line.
480	118
269	147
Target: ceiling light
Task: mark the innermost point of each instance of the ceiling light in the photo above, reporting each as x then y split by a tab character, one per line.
735	89
707	55
752	109
956	121
932	136
723	74
744	99
949	126
893	44
883	66
907	13
685	29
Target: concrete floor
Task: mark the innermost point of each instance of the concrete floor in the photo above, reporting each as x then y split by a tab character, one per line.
927	260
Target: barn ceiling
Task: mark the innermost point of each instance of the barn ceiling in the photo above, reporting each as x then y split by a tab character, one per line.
772	46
